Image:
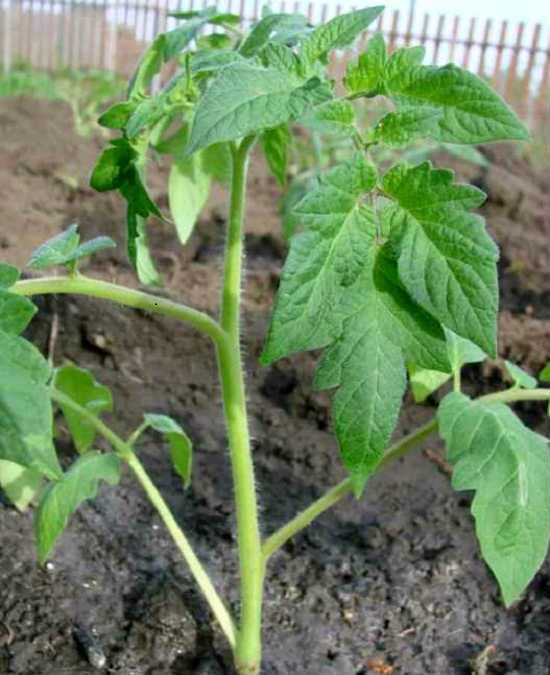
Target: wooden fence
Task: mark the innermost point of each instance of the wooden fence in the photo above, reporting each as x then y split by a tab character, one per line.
111	34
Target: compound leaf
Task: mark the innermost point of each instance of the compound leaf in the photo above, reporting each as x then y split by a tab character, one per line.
332	117
366	76
508	466
81	386
340	290
273	28
447	261
63	497
181	447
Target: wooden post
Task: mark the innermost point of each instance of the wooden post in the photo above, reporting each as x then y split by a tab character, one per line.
512	71
498	78
7	56
484	47
410	23
393	32
469	43
533	51
454	39
438	37
112	37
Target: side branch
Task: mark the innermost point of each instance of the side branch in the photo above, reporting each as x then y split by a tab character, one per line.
81	285
125	451
397	450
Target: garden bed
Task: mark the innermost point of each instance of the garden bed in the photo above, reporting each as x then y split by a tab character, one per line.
393	580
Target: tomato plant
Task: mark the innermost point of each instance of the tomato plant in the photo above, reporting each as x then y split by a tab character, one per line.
390	272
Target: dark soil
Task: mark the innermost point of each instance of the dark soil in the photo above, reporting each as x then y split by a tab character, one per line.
393	581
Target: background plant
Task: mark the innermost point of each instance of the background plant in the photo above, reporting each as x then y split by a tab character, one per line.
390	273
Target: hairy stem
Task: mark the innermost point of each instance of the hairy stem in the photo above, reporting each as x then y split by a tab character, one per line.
126	453
81	285
248	648
397	450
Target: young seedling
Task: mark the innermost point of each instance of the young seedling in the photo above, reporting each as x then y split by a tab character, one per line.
389	271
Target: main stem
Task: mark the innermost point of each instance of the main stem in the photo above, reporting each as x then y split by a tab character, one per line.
248	648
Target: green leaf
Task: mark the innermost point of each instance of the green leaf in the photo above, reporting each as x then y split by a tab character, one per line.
281	57
210	15
138	248
466	154
57	250
366	77
338	33
332	117
9	276
275	144
297	190
447	261
112	166
16	312
544	375
25	407
64	249
424	382
215	41
181	447
80	385
218	162
508	466
20	485
149	65
245	98
340	290
188	190
117	116
462	351
520	377
397	129
207	61
273	28
471	111
62	498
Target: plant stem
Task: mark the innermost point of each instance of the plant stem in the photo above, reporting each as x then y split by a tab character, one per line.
126	453
248	648
81	285
397	450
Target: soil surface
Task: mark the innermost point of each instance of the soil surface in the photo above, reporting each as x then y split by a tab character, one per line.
391	584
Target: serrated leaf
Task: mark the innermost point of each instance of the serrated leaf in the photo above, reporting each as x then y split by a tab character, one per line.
25	407
81	386
208	61
188	190
397	129
337	33
280	57
297	190
273	28
9	276
20	485
16	312
424	381
520	377
544	375
62	498
462	351
117	116
275	144
332	117
245	98
340	290
471	111
366	76
56	250
181	447
447	261
508	466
